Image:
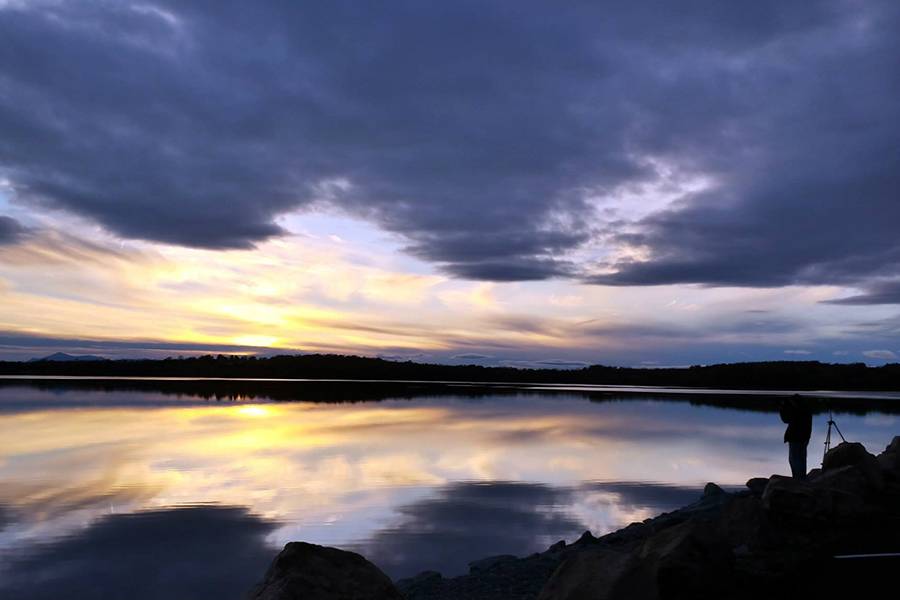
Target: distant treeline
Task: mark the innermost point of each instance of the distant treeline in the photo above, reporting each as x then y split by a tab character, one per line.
791	375
349	391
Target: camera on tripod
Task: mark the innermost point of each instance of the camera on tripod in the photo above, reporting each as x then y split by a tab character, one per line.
831	424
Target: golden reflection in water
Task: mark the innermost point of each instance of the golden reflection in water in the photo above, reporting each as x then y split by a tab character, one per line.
336	472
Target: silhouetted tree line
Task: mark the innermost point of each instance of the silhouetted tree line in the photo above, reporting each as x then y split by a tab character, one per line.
790	375
350	391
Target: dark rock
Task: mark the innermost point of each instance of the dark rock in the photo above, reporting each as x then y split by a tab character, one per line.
424	576
711	489
311	572
558	546
741	519
854	454
757	485
631	533
486	564
586	538
847	505
601	574
850	479
845	454
794	498
890	464
894	446
889	460
426	584
520	578
688	560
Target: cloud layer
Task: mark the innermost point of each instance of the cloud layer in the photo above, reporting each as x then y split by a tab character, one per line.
499	141
877	292
10	230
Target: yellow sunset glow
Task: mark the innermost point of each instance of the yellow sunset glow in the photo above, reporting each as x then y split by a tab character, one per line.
254	411
315	294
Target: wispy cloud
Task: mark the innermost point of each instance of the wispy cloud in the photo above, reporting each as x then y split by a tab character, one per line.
880	354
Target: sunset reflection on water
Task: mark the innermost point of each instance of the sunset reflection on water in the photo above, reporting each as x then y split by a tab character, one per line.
429	483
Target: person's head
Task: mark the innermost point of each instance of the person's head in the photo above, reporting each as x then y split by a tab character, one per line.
801	402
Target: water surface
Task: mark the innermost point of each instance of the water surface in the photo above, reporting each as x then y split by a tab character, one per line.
142	493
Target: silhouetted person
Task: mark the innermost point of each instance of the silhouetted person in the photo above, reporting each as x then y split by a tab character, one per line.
796	413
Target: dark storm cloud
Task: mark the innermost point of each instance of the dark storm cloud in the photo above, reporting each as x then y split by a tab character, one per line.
522	268
19	346
880	292
808	194
191	553
482	132
10	230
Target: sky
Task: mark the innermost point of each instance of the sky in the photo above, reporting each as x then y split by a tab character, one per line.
526	184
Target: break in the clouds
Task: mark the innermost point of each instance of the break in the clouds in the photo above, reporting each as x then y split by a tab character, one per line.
622	143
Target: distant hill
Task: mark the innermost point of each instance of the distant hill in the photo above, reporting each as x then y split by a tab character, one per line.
786	375
63	357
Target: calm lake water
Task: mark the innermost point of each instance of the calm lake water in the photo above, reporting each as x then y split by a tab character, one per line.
142	493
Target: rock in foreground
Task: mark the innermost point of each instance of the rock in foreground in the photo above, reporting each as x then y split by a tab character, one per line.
779	539
308	572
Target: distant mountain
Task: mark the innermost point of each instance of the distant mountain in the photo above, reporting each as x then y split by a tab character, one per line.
63	357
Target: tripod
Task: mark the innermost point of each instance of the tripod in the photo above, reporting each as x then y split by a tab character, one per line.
831	424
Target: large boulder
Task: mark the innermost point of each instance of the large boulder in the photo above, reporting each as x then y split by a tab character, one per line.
486	564
757	485
684	561
309	572
426	584
849	479
847	489
894	446
741	519
712	490
889	460
854	454
601	574
794	498
690	560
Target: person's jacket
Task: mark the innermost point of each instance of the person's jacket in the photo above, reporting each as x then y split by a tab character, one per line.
799	420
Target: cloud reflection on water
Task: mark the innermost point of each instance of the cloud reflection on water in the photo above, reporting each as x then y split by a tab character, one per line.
182	553
468	520
381	476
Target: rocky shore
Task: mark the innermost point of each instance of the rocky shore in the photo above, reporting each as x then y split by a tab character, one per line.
779	538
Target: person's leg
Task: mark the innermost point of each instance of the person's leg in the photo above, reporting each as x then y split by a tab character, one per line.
797	459
801	459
